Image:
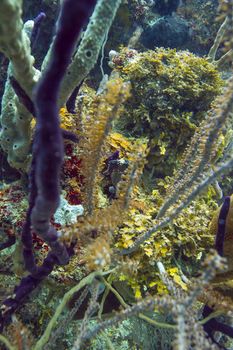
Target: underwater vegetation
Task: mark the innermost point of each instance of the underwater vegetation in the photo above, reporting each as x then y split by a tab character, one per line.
170	93
116	215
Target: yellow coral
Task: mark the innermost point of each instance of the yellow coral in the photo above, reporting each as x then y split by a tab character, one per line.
67	119
107	107
182	236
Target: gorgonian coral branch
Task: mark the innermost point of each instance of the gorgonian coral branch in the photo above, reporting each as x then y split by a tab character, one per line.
196	190
36	28
48	144
48	156
201	152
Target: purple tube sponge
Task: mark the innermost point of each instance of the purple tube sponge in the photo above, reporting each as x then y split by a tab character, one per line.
70	104
220	236
47	156
36	29
48	146
21	94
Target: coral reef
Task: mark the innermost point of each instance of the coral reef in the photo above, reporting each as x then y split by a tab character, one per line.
171	91
117	223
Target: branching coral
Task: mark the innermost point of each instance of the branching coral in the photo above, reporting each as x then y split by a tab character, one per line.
47	158
178	304
102	171
14	117
108	108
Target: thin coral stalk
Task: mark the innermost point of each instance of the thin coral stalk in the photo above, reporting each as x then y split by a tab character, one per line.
66	298
223	168
218	39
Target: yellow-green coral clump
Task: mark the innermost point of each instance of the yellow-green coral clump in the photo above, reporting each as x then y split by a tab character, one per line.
182	244
171	91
